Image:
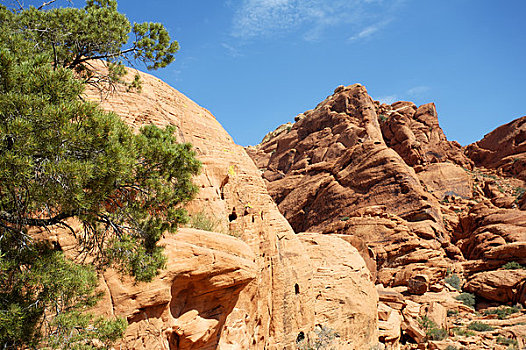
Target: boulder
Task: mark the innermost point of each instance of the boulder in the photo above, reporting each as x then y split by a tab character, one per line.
344	291
504	286
418	284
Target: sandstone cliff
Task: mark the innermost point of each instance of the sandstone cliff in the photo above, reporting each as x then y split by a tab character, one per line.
423	212
257	291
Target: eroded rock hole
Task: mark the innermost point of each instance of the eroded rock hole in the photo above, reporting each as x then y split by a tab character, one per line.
297	288
232	215
300	337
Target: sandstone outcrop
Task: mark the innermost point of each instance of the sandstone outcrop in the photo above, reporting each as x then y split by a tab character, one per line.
431	219
261	310
504	286
333	172
414	133
504	149
343	289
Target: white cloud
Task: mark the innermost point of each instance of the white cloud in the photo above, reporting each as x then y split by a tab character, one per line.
388	99
369	31
417	90
264	18
231	50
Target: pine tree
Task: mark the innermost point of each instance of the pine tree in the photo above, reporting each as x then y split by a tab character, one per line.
64	159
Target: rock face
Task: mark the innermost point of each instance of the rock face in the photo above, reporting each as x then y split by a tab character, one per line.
217	291
333	172
344	295
504	286
414	133
186	306
431	219
504	148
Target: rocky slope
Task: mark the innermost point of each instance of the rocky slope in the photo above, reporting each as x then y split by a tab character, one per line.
420	209
254	284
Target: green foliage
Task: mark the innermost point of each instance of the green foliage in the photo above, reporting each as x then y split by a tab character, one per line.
203	221
451	347
518	192
324	337
479	326
47	283
432	330
467	299
436	334
452	313
507	341
62	158
454	281
97	31
513	265
463	332
502	312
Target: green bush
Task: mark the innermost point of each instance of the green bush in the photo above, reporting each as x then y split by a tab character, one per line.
436	334
451	347
324	337
452	313
454	281
462	332
432	330
480	327
513	265
203	221
467	299
507	341
503	312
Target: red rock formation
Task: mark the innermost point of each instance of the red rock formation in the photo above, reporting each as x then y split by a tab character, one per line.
332	172
415	134
504	148
202	301
385	179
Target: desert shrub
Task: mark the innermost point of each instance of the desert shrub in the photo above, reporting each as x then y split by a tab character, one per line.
203	221
432	330
436	333
451	347
324	338
502	312
462	332
467	299
480	327
452	313
513	265
507	341
454	281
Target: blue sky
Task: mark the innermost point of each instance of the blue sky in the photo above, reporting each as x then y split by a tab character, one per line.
255	64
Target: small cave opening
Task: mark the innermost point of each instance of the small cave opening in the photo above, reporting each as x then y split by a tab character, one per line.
232	215
297	288
300	337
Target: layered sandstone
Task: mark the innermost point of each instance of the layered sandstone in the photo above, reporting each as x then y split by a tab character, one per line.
430	219
334	172
504	149
203	300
